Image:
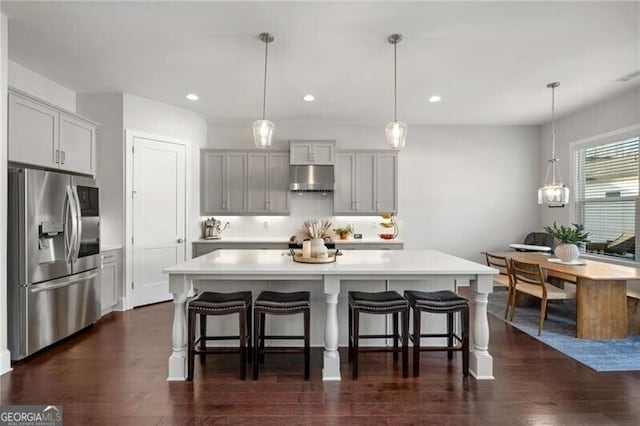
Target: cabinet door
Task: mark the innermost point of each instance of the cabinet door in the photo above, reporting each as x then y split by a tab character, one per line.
77	145
344	193
212	193
33	132
386	183
300	153
278	201
258	183
322	153
365	183
109	286
235	183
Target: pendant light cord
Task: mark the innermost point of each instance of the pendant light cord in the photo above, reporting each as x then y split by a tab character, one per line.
553	122
264	94
395	83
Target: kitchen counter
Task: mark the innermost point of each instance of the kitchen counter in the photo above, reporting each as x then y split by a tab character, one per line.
433	270
276	240
108	247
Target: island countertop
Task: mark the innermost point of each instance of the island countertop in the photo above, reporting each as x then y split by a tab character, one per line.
353	262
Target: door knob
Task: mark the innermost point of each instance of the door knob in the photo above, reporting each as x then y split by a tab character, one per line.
180	241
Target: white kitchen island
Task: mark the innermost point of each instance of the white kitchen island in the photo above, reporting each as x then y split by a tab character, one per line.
277	265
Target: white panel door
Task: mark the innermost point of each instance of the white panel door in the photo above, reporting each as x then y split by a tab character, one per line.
258	183
159	226
344	200
387	183
279	183
365	183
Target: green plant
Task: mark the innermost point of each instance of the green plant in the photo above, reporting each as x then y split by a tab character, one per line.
567	234
344	231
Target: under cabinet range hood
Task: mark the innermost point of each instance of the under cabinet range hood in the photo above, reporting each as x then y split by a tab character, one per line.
311	178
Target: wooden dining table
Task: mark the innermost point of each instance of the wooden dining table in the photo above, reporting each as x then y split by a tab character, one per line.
601	292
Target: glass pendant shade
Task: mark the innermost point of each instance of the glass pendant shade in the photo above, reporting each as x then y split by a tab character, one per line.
553	191
263	133
396	134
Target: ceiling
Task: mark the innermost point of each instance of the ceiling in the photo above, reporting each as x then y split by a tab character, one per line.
490	62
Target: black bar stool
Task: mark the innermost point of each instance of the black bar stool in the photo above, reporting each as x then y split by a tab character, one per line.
382	303
277	303
210	303
440	302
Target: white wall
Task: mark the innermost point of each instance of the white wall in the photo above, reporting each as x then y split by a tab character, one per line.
5	357
41	87
107	110
161	119
605	116
462	189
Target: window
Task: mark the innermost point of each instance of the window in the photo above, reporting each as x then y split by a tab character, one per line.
606	196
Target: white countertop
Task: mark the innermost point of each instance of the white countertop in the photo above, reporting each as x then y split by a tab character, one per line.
353	262
107	247
239	240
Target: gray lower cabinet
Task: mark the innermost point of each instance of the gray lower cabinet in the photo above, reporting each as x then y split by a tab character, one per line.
204	247
366	183
110	279
244	182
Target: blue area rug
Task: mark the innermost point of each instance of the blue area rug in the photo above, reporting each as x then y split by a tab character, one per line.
559	332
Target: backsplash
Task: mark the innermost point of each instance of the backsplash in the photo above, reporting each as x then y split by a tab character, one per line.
303	206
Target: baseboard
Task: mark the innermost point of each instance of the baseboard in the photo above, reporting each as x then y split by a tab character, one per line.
5	361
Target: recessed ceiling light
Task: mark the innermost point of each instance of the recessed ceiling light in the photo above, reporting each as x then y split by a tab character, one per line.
308	98
192	96
435	98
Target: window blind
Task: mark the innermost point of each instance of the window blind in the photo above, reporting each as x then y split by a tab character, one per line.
606	195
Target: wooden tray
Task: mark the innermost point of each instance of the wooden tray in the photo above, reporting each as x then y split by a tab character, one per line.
297	257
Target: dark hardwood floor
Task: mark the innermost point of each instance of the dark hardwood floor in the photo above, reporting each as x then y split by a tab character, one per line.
115	374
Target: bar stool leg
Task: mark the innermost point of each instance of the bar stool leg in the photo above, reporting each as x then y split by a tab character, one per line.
465	342
350	334
307	346
450	335
416	342
356	337
256	345
242	316
203	337
247	332
405	343
190	341
395	335
262	333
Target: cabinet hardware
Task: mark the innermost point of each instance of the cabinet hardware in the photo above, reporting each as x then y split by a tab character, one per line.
62	157
57	156
180	241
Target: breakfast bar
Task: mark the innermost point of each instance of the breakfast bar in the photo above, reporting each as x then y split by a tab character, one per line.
277	265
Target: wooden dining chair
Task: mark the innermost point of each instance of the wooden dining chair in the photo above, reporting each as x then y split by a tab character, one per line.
528	278
503	279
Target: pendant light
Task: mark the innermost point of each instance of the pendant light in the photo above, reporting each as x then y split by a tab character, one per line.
396	131
263	129
553	192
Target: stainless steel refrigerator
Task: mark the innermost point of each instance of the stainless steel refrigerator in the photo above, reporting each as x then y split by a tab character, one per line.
53	257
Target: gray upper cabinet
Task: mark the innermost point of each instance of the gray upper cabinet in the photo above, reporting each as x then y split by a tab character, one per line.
244	182
366	183
42	135
312	152
223	182
77	145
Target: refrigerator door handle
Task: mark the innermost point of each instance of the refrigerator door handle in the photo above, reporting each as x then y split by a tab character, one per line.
78	223
70	233
65	282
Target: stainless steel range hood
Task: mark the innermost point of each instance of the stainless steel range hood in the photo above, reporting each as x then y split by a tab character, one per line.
311	178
